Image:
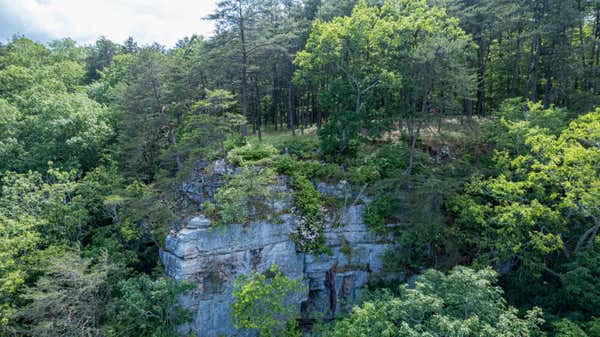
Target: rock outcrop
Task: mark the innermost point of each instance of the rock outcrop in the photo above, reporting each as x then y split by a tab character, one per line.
213	257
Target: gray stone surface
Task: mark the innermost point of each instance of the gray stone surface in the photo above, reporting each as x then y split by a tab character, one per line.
213	257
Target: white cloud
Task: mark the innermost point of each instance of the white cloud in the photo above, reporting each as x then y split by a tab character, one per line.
148	21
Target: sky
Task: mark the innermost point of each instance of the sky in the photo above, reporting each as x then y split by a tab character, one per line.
147	21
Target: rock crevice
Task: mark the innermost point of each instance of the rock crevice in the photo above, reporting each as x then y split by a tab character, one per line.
213	258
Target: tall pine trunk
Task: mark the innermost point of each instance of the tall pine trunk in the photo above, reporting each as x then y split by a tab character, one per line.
290	109
244	74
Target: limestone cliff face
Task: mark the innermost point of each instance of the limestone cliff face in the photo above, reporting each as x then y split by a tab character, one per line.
214	257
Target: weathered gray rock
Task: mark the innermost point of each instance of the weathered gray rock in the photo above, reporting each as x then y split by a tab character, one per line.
199	221
214	257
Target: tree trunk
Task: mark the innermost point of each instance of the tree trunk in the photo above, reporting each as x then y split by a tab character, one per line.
244	70
274	97
547	92
290	109
319	114
414	134
535	68
468	106
515	66
481	79
257	121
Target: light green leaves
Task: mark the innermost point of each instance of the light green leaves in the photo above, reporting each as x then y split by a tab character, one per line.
546	198
261	301
462	303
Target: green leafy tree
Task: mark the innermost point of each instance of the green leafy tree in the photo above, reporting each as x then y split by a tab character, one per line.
349	48
142	216
68	129
543	202
149	308
409	49
238	19
145	118
100	56
567	328
464	302
579	277
18	241
261	302
245	195
68	300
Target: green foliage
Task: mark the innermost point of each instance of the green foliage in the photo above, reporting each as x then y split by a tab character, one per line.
410	51
593	327
96	143
149	308
303	148
68	299
325	46
217	102
207	136
363	174
391	160
463	303
262	302
552	118
309	209
306	197
245	195
290	166
44	116
566	328
580	278
252	154
141	214
209	209
18	241
539	203
378	213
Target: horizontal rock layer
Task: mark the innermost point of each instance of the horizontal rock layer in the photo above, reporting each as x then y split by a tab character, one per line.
214	257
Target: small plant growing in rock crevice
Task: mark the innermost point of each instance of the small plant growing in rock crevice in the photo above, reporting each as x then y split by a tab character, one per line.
346	247
310	214
252	154
378	212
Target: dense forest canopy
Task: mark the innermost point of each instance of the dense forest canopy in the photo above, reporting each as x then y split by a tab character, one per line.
473	123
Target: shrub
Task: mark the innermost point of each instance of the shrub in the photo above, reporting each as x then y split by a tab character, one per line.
307	198
245	194
328	171
363	174
210	209
149	308
391	160
567	328
252	154
233	141
304	148
378	213
310	212
288	165
464	302
261	302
